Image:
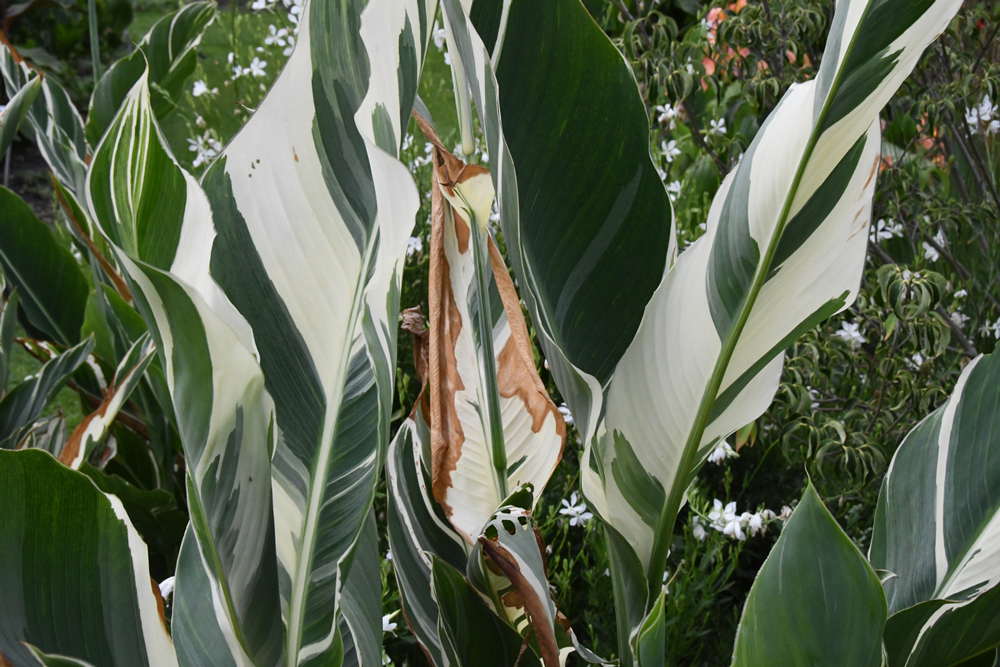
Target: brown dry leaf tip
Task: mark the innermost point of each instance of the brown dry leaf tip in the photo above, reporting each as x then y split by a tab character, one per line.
413	321
533	607
159	604
452	170
3	661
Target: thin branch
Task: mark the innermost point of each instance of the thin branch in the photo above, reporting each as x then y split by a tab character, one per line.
957	332
700	139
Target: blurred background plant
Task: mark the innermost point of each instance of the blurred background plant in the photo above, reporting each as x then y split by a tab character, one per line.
710	72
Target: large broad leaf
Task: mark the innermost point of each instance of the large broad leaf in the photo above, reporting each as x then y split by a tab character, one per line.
52	121
158	221
16	110
815	601
52	287
169	49
8	326
937	528
587	222
784	247
24	404
492	424
74	577
314	212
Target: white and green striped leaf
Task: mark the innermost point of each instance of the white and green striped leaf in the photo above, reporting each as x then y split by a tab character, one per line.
169	50
52	121
24	404
815	601
74	574
159	224
95	426
418	532
16	110
314	212
490	417
937	528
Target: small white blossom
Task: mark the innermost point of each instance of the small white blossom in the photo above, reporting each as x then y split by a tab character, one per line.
387	624
930	252
439	36
715	516
667	114
991	327
673	190
670	150
717	127
756	524
662	174
850	332
567	415
276	36
721	452
698	530
291	46
388	555
916	361
259	5
167	587
885	230
786	513
257	67
201	88
961	294
447	58
959	318
576	510
199	121
415	245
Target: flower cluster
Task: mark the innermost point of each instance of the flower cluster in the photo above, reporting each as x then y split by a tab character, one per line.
985	117
206	147
851	332
883	230
738	526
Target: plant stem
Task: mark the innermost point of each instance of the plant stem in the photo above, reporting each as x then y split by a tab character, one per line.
481	255
95	47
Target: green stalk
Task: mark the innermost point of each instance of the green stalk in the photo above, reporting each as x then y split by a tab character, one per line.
672	504
95	47
481	255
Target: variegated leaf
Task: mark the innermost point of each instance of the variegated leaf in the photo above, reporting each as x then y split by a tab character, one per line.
52	121
937	528
314	213
73	571
16	110
159	223
169	51
490	416
94	427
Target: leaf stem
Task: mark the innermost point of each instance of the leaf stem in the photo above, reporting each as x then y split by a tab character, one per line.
95	47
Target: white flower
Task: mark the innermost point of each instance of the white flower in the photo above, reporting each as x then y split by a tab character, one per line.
447	58
850	332
972	120
199	121
721	452
993	127
667	114
439	36
258	5
697	529
735	524
916	361
291	46
756	524
961	294
238	71
717	127
786	513
959	318
715	516
387	624
670	150
662	174
885	230
201	88
986	109
567	415
276	36
993	328
167	587
407	141
673	189
388	555
206	147
257	67
814	397
930	252
576	510
415	245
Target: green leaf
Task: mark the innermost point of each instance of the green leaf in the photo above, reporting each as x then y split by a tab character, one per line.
16	110
24	404
52	288
815	601
8	325
73	570
471	634
936	526
50	660
651	638
314	213
162	236
169	49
